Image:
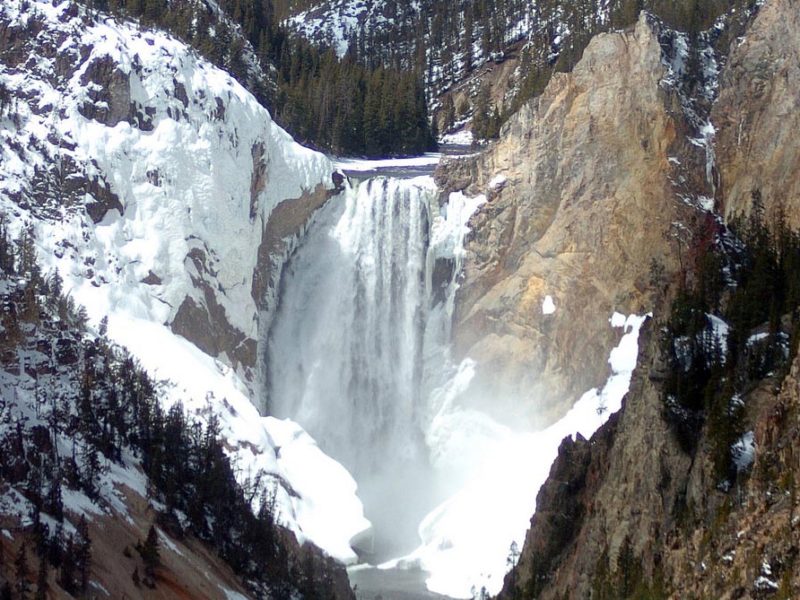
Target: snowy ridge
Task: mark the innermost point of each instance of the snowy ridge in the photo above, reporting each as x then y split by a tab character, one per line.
183	185
186	168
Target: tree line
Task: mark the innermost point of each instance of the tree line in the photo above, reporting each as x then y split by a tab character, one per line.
341	106
752	282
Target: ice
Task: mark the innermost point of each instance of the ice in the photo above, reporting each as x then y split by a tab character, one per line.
548	306
185	187
465	540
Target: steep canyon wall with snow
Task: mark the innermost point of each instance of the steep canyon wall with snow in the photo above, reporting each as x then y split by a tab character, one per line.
168	201
569	218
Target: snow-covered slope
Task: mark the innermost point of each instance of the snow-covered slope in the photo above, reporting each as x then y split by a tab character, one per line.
149	178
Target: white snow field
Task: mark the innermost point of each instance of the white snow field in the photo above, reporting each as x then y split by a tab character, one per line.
184	185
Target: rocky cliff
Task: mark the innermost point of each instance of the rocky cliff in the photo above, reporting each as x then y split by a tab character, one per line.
630	504
756	116
582	202
631	512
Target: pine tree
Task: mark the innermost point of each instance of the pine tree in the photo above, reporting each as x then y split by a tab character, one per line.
21	586
83	554
67	579
41	581
149	552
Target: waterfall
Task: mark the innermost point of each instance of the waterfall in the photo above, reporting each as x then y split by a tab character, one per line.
347	355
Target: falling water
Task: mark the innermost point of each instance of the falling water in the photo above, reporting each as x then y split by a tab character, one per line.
347	356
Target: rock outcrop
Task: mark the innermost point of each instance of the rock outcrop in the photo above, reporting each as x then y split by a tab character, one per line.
757	115
642	512
585	207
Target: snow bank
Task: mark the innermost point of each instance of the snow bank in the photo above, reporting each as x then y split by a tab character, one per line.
186	185
466	540
428	159
548	306
462	137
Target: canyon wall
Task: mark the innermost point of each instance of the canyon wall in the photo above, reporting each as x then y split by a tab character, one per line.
581	205
631	507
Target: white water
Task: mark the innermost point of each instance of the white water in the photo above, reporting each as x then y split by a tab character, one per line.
352	339
359	356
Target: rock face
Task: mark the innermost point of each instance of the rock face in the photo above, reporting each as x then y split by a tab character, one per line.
631	494
624	486
630	505
757	115
586	205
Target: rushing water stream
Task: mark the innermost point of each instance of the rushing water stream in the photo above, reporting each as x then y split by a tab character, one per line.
346	352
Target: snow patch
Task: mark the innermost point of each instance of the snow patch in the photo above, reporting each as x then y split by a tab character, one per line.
168	543
548	306
744	452
497	182
230	594
462	137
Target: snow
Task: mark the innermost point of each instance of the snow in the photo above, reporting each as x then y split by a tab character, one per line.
463	137
99	586
744	451
358	164
720	330
756	338
79	503
706	203
466	539
230	594
497	182
203	157
548	306
168	543
765	584
331	515
323	506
